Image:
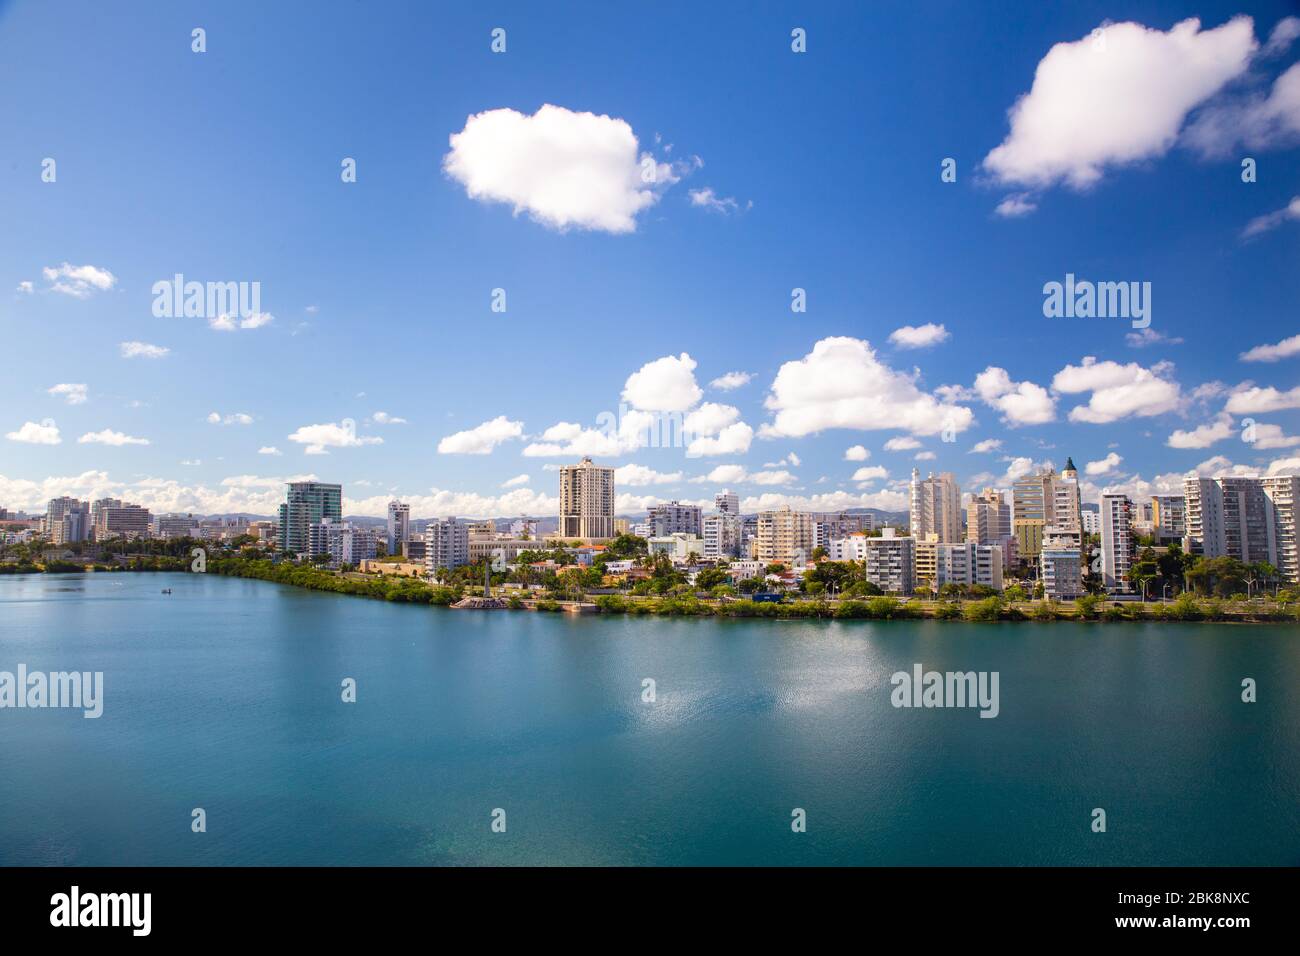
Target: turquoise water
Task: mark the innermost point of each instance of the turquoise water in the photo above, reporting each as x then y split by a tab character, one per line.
226	694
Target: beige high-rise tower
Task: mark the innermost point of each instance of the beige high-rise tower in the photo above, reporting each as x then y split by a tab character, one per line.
936	507
586	501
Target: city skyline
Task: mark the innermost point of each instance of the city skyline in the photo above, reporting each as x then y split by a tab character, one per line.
666	304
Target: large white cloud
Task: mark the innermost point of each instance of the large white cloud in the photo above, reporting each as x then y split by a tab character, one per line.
80	282
731	440
634	475
842	384
1202	436
565	169
1273	353
108	436
33	433
331	435
1021	403
481	439
919	336
73	394
1254	121
665	385
1118	391
1117	96
1252	399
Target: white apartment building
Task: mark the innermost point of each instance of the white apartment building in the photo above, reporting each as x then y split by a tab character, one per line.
935	507
988	517
446	544
851	548
586	501
674	518
1248	518
176	526
399	526
1060	570
967	563
721	533
1091	520
1117	543
784	537
891	562
1168	517
679	547
67	520
343	541
727	502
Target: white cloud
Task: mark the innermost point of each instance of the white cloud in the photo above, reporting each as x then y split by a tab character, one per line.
634	475
331	435
731	381
1021	403
142	350
791	459
383	418
229	323
110	437
573	440
1271	220
482	439
234	418
885	500
1149	336
1272	436
856	453
870	473
1252	400
1103	467
26	287
710	200
72	394
269	450
563	168
925	456
665	385
723	475
919	336
1015	206
1115	97
709	419
1253	120
515	482
902	444
46	433
842	384
987	445
1118	391
1202	436
80	282
1272	353
732	440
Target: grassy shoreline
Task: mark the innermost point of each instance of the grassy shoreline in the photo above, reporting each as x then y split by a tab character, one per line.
992	609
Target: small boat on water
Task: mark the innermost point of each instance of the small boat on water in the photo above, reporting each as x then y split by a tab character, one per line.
166	590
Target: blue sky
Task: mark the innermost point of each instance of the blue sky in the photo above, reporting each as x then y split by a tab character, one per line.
823	168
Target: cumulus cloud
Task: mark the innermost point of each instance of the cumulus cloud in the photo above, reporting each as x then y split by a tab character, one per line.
1115	97
80	282
26	287
870	473
856	453
482	439
1273	353
1118	391
515	482
708	199
1103	467
884	500
1015	206
46	433
841	383
919	336
269	450
902	444
1272	436
564	169
731	381
1250	399
231	323
1021	403
665	385
731	440
987	445
110	437
383	418
234	418
331	435
1202	436
573	440
72	394
142	350
1253	120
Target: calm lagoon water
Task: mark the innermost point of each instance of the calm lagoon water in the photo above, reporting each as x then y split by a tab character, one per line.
226	693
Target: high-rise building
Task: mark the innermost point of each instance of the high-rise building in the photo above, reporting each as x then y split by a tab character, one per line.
891	562
116	519
967	563
673	518
399	526
935	507
1168	517
988	517
727	502
586	501
344	542
446	544
1060	570
1046	505
307	503
1251	519
784	537
175	526
67	520
721	535
1116	542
